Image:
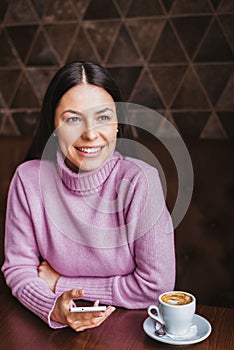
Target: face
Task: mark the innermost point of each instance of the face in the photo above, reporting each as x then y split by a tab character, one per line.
86	126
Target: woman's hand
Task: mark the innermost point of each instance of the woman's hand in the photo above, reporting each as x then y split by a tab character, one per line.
48	274
78	321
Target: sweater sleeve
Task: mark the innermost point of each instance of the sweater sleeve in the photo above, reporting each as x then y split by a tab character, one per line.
21	263
152	251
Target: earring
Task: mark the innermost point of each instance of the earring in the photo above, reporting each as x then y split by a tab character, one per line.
117	130
54	134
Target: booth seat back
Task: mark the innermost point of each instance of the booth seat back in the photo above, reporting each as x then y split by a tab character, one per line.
12	152
204	238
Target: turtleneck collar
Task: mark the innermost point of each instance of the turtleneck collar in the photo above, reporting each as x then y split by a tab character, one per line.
86	182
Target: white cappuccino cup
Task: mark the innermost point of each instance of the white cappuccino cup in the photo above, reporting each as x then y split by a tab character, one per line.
175	311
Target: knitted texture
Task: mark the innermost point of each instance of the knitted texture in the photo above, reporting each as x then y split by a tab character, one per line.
104	231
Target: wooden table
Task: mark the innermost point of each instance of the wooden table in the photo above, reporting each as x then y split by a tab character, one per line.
21	330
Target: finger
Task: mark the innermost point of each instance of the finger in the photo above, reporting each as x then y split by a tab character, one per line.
85	322
96	303
109	310
77	293
103	314
97	321
80	326
74	294
88	323
44	262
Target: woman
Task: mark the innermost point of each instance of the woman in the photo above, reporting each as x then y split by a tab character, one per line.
85	222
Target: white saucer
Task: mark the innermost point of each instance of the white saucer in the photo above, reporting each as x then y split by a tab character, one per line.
203	331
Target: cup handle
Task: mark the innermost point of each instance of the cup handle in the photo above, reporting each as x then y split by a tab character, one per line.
156	316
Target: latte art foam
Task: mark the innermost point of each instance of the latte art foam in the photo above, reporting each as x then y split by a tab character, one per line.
177	298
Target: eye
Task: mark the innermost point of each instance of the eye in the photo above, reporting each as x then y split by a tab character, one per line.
72	120
104	117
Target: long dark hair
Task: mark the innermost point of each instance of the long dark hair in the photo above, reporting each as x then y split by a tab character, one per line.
67	77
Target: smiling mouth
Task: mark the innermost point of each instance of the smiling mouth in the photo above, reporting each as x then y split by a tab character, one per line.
89	150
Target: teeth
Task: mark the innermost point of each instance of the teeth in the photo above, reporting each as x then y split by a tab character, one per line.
90	150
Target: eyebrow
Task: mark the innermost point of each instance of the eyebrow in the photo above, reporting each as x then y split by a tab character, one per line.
79	113
104	110
71	111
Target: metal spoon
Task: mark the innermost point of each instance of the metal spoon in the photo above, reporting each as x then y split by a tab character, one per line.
161	331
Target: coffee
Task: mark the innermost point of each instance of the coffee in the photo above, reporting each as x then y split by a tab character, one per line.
177	298
175	310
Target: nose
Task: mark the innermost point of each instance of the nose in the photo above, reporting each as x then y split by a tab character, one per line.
90	134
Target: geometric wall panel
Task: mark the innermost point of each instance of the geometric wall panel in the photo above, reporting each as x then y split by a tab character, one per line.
214	79
167	4
152	98
149	28
39	80
22	37
20	12
168	48
55	11
139	8
7	125
215	47
213	129
64	32
226	119
190	7
96	31
122	6
126	78
8	57
173	56
227	23
168	79
81	48
191	124
8	83
26	122
226	100
185	27
24	96
101	9
190	94
226	6
42	54
123	50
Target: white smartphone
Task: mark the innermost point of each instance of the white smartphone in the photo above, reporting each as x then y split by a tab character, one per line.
87	308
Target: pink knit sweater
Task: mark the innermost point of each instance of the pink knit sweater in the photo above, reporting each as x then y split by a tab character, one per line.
104	231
